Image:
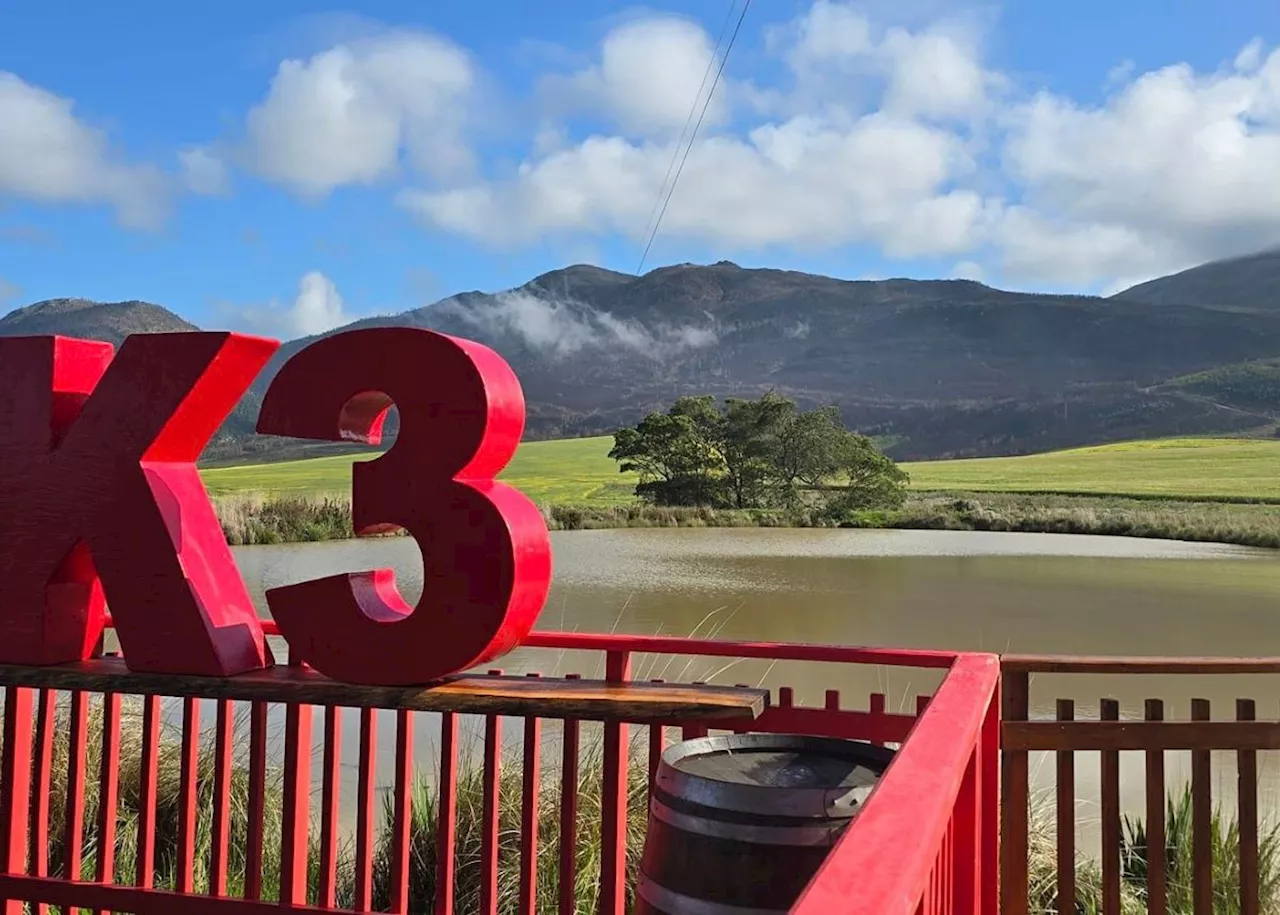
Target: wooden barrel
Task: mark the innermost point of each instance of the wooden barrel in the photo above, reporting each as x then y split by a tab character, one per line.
738	825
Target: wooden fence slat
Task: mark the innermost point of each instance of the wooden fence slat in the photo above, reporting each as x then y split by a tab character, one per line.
1066	791
1157	886
1014	775
1247	797
1109	710
1201	820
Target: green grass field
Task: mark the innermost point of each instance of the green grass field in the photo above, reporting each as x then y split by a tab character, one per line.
1173	468
568	472
579	472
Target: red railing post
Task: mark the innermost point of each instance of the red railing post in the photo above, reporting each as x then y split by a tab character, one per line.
15	785
613	822
989	807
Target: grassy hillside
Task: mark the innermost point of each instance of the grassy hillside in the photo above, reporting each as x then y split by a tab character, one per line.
578	472
1172	468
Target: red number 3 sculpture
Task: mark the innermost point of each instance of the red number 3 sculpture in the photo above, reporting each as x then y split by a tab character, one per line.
486	554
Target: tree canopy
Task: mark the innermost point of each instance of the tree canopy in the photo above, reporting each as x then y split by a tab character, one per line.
763	453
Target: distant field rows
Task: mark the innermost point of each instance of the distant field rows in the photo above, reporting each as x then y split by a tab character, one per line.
579	471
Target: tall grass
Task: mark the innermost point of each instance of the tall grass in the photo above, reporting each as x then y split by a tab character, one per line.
251	519
423	823
1135	863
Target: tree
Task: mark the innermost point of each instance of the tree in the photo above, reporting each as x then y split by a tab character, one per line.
755	454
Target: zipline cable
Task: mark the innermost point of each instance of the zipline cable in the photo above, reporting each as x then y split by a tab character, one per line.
705	105
693	109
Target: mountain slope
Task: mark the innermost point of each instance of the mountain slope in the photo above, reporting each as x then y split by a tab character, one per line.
1251	282
109	321
946	367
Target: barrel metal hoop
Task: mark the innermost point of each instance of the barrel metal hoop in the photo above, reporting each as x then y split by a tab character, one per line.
821	833
666	900
804	802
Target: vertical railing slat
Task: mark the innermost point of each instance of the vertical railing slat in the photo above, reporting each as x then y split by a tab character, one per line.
365	783
256	800
569	816
77	740
1015	788
1201	820
402	814
963	835
15	786
42	778
332	764
875	707
489	814
188	815
220	837
296	807
1157	885
1066	816
989	802
530	775
1247	799
613	820
148	775
447	815
1109	761
108	790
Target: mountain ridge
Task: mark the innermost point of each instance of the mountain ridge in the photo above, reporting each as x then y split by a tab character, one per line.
935	368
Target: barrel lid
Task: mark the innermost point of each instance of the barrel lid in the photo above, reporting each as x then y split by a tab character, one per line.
777	774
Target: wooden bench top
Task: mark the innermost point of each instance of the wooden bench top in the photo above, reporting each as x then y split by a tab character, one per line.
544	697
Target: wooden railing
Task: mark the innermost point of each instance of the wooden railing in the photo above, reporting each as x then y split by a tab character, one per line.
935	807
1153	731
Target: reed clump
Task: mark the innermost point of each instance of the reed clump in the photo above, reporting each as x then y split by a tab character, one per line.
256	519
1135	862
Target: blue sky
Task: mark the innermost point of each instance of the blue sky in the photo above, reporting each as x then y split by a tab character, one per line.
280	167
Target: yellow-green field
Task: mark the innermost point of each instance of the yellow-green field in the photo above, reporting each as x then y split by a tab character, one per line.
579	472
569	472
1187	468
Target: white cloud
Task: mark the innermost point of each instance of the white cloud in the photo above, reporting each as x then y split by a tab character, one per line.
203	172
800	182
8	292
49	155
818	178
348	115
560	328
1175	168
967	270
317	308
650	75
906	140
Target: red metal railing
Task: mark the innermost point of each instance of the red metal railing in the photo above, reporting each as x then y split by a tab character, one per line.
924	843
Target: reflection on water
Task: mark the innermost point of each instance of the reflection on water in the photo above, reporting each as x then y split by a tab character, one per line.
994	592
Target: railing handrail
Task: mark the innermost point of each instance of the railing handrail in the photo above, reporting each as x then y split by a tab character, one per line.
878	867
711	648
1138	665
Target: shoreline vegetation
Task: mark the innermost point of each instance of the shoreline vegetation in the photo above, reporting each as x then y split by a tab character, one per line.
250	519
